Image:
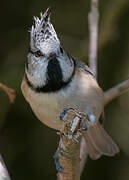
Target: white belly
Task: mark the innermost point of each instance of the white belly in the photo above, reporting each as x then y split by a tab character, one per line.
84	96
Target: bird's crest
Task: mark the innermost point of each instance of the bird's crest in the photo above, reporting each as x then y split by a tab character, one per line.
43	32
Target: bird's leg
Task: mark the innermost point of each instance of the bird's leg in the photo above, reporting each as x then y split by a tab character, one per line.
63	113
75	122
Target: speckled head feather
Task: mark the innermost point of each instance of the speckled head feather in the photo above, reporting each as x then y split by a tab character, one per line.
43	34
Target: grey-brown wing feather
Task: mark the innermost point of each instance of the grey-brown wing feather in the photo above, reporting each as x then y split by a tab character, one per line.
97	139
83	67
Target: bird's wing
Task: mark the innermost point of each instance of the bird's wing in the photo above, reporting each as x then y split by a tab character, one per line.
97	139
83	67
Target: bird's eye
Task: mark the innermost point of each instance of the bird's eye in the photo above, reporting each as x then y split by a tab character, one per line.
37	54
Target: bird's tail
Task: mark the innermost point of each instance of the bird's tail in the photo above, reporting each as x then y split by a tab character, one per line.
99	142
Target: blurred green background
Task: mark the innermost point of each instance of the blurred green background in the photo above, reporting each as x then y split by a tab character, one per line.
27	145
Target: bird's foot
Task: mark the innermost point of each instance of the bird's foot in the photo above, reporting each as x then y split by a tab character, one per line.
90	117
63	113
75	122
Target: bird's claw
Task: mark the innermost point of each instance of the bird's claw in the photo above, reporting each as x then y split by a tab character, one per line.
75	122
62	114
84	126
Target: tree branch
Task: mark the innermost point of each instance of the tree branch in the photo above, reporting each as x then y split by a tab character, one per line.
69	147
116	91
9	91
93	18
3	171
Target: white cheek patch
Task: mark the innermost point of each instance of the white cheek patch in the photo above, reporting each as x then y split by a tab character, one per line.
38	72
67	67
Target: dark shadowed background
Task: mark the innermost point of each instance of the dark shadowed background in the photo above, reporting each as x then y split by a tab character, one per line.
26	144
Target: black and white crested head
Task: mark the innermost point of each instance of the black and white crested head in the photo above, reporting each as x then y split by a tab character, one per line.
43	35
48	67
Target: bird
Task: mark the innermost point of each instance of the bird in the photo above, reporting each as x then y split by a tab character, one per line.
55	80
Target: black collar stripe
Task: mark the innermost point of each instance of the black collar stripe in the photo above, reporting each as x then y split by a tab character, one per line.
54	78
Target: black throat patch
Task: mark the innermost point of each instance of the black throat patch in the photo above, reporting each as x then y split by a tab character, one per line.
54	78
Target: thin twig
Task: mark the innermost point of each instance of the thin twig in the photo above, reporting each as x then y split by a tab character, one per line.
93	18
116	91
3	171
9	91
